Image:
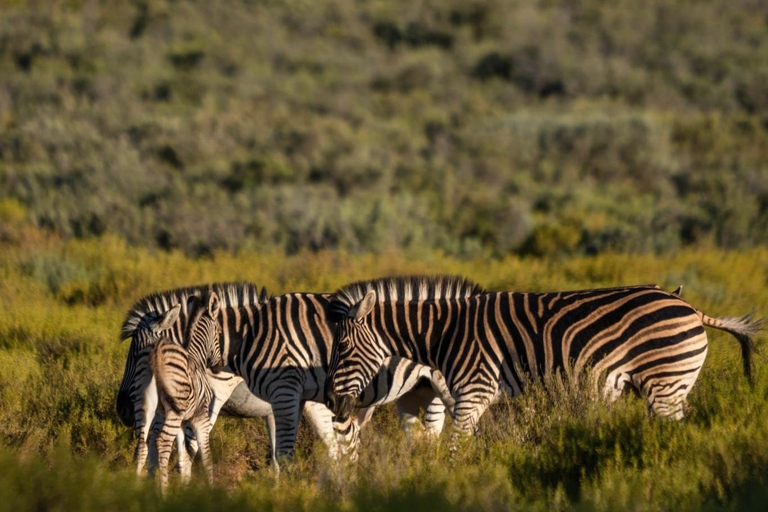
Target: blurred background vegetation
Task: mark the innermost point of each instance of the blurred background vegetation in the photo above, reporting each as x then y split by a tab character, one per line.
473	127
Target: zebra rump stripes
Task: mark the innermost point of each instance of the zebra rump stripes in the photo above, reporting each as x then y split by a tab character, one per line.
631	337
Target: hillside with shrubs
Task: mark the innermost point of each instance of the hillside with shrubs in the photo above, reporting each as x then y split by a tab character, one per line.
477	128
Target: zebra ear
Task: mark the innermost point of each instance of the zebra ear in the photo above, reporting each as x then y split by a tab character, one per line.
213	304
167	319
366	305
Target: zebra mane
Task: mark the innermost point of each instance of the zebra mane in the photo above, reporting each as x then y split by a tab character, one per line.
418	287
232	295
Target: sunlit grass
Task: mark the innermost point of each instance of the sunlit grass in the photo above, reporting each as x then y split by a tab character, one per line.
60	365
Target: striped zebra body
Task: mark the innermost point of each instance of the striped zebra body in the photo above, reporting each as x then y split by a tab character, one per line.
633	337
184	392
279	346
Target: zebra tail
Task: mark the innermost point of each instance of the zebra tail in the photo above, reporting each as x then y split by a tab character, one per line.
165	381
744	328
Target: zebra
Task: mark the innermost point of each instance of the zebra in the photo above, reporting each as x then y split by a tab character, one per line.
635	337
184	391
280	346
164	315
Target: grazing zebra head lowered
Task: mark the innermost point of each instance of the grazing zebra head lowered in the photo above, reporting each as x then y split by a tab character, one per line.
634	337
359	352
182	383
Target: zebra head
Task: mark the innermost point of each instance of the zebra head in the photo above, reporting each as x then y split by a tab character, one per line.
357	354
203	332
135	392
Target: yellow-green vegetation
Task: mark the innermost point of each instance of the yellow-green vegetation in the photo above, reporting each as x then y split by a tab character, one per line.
62	302
474	127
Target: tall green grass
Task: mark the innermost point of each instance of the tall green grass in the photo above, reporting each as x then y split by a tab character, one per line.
63	448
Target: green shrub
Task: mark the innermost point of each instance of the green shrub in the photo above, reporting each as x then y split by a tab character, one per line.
419	126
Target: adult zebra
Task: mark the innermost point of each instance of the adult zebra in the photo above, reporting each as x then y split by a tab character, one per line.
280	346
637	337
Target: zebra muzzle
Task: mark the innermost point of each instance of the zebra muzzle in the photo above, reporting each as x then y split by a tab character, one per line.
342	406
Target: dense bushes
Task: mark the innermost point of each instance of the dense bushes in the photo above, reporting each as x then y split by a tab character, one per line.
481	127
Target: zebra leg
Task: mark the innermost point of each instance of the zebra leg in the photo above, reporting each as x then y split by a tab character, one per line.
202	427
665	387
321	420
145	407
665	399
435	417
191	439
269	420
165	439
443	400
184	464
215	409
286	406
141	451
466	415
148	447
668	400
191	443
665	402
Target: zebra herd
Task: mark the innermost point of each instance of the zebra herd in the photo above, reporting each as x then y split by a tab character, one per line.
426	343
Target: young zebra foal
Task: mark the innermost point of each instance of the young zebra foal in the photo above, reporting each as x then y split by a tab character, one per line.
183	389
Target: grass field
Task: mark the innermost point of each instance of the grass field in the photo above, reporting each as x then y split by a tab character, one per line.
63	448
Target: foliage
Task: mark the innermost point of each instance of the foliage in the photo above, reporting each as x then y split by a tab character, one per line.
63	447
477	127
